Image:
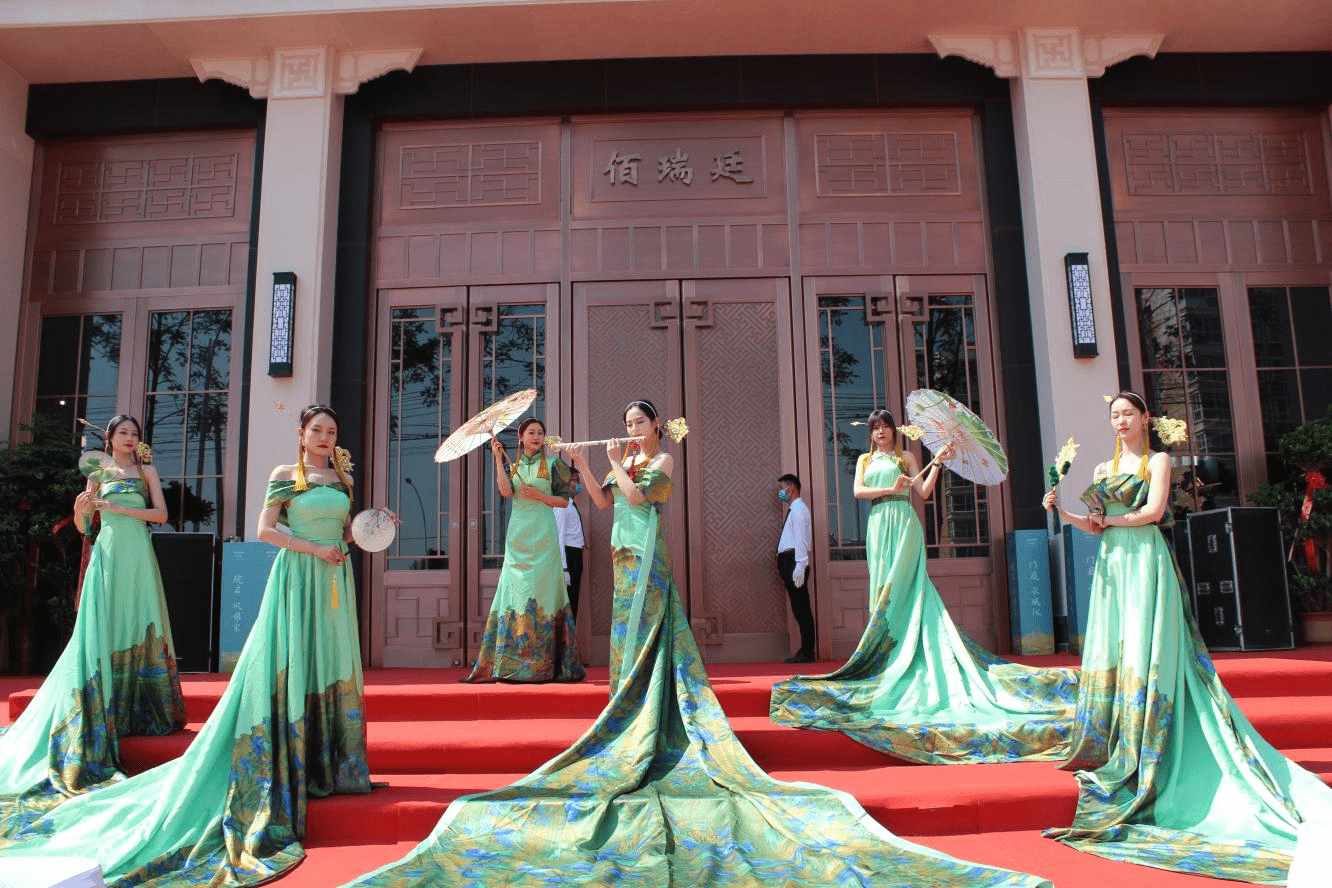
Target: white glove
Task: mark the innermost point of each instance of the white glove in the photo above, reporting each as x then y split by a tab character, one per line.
798	576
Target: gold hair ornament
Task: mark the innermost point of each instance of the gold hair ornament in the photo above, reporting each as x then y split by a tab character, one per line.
1170	430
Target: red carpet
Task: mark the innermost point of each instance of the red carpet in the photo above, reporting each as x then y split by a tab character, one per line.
433	739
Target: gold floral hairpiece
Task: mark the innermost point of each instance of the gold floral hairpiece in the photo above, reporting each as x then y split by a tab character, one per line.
144	452
914	432
677	428
1170	430
343	458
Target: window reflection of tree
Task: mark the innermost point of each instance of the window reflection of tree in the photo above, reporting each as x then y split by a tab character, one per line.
513	360
848	347
188	373
1184	365
420	394
87	386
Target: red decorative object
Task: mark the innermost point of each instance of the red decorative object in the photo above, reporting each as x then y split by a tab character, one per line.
1312	481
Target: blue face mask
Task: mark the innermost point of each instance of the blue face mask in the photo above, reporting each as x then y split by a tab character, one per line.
783	495
576	489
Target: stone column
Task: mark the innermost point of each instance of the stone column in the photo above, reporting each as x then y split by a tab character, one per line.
16	151
1061	213
298	210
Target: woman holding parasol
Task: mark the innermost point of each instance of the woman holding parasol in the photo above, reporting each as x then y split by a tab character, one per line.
659	791
117	676
916	687
1170	772
529	635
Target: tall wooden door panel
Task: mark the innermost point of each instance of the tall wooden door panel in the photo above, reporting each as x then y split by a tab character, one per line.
705	350
444	353
737	383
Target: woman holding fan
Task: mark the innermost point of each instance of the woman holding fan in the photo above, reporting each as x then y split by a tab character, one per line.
291	723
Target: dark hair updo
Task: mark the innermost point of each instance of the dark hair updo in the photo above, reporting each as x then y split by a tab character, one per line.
648	410
309	413
1133	398
522	426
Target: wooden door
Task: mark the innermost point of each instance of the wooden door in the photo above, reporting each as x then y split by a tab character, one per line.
717	352
444	353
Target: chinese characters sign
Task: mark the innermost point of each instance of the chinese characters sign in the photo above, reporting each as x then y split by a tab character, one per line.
678	169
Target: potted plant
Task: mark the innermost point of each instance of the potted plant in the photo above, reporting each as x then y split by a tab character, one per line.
1305	504
39	546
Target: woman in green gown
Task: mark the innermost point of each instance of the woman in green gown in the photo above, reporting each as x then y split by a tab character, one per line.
915	686
290	724
529	634
1170	772
117	676
659	791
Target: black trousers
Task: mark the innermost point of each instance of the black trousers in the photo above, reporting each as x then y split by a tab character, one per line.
573	560
799	596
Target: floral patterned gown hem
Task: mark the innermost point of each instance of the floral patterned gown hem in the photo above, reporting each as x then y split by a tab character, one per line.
290	725
1170	772
116	677
659	791
529	634
916	687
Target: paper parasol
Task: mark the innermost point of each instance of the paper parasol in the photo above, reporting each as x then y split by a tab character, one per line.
480	428
374	529
97	466
979	457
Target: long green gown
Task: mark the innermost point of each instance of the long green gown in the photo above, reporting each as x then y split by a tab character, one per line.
659	791
916	687
116	677
529	634
289	725
1170	772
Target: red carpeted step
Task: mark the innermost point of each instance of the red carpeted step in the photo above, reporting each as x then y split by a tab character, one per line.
743	688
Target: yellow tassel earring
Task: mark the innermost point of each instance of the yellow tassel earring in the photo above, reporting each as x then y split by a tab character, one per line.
1119	449
301	483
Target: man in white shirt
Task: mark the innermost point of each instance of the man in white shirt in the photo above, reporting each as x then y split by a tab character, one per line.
569	525
793	563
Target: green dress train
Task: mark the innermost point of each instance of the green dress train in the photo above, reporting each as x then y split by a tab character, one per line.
1170	772
116	677
659	791
916	687
289	725
529	635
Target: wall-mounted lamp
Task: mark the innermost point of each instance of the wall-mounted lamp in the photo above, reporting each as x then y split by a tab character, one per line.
284	319
1080	311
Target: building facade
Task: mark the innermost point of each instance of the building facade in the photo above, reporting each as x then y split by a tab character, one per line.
768	231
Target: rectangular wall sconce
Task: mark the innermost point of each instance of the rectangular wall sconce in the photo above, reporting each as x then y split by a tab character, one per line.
284	319
1078	271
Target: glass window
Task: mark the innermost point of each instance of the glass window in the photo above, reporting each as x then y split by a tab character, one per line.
186	396
1293	350
513	358
1187	377
420	400
944	340
852	364
78	371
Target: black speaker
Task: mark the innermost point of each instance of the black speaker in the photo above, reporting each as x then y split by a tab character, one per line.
1239	579
188	562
